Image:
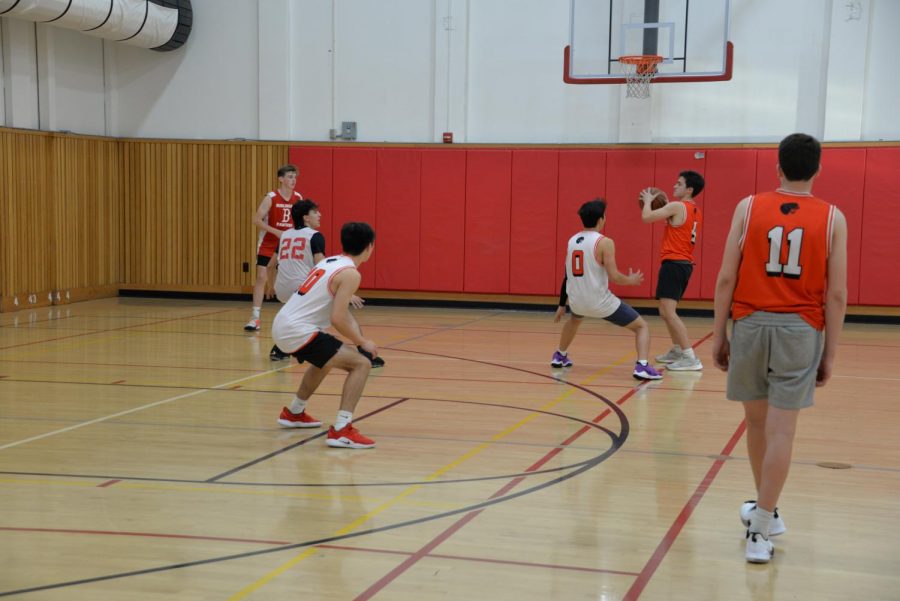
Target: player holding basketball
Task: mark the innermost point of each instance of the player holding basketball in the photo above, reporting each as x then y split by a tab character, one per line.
784	278
683	219
590	264
272	217
299	328
300	248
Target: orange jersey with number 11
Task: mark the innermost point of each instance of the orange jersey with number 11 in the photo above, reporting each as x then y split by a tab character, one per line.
784	256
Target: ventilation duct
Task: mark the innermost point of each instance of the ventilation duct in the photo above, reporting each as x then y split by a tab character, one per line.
155	24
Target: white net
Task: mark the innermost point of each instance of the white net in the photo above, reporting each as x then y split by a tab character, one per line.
639	72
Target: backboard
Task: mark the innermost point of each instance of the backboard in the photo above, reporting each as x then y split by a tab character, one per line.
690	35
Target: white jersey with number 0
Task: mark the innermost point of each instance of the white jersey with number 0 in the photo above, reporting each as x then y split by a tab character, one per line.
308	312
587	282
295	261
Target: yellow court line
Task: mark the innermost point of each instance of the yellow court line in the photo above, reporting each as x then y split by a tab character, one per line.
381	508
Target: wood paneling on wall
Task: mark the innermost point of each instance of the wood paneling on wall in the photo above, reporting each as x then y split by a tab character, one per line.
188	210
82	216
61	217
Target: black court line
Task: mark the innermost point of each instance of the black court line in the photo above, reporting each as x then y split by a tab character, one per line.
364	484
620	440
297	444
119	329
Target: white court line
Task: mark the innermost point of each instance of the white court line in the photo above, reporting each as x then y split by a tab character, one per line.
136	409
866	378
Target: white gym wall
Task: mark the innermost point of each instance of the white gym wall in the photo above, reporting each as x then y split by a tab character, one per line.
487	70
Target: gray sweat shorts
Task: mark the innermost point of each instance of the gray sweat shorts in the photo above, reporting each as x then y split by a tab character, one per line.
774	356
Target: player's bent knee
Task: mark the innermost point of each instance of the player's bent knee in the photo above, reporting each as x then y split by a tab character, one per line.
637	325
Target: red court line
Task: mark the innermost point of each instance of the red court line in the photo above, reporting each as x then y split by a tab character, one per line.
333	547
117	382
528	564
107	483
410	561
375	588
638	586
91	333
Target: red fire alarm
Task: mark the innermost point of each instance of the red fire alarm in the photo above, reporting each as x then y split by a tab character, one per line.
448	137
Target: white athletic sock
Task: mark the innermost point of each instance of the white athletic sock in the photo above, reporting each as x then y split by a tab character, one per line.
676	348
298	405
642	361
760	520
563	353
689	353
255	314
343	418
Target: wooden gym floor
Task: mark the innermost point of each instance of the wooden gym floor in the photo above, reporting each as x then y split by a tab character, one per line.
140	459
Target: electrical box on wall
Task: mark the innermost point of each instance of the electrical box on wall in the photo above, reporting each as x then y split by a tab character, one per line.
348	131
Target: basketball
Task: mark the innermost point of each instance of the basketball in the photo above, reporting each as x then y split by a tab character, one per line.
658	201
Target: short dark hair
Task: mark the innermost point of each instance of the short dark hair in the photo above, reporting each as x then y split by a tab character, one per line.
592	211
694	181
799	156
285	169
356	237
301	209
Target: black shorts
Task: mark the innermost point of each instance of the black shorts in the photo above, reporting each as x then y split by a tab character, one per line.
673	279
263	260
622	316
319	350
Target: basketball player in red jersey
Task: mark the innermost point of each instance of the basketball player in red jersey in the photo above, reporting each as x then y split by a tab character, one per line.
683	219
272	217
784	278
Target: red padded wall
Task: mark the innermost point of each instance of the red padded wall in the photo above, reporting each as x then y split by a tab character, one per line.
730	177
582	177
669	163
766	169
627	173
443	220
354	199
470	219
488	174
842	182
878	281
314	182
532	246
397	213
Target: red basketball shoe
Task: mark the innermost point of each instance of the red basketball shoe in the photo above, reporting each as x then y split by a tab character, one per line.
297	420
348	437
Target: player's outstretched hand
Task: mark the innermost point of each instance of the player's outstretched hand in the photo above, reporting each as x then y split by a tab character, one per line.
721	350
560	311
635	277
269	290
356	302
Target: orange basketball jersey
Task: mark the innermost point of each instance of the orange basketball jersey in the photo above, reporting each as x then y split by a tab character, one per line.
279	217
784	256
678	241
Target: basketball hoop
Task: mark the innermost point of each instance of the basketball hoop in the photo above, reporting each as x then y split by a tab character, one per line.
639	71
